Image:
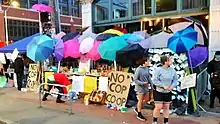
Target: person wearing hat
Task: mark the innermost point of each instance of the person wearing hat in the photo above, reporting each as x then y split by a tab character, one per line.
214	72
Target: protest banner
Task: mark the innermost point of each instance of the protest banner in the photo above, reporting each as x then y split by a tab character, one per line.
188	81
118	88
33	82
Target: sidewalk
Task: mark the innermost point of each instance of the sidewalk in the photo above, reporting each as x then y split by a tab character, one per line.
23	108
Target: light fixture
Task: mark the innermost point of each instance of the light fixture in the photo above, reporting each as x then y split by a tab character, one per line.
207	17
15	4
158	20
145	19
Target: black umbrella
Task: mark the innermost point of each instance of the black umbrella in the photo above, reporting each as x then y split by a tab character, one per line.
69	36
103	37
130	54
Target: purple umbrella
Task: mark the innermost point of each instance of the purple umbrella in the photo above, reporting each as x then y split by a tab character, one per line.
59	50
197	56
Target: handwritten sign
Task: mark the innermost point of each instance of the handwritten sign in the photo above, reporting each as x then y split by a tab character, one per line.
188	81
33	77
118	88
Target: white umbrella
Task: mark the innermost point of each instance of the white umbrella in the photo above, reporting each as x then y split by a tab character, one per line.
86	45
156	41
179	26
59	35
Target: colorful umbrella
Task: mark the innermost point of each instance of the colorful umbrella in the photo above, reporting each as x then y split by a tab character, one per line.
87	35
108	48
71	49
123	30
86	45
40	48
197	56
93	54
112	31
183	40
130	54
42	8
132	38
142	33
59	50
69	36
182	25
59	35
102	37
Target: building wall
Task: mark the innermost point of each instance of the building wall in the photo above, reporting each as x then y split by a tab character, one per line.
32	16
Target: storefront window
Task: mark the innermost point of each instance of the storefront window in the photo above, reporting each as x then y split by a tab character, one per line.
64	7
147	6
137	7
166	5
46	2
32	2
119	8
102	9
76	9
190	4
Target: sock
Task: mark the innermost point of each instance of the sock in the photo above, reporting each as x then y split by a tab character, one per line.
155	119
165	120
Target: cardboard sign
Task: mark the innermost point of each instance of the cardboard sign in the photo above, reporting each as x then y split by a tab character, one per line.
33	77
188	81
118	88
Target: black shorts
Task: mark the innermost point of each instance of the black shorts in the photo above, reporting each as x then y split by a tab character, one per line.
161	98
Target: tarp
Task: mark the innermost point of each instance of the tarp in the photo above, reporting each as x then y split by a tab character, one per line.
20	45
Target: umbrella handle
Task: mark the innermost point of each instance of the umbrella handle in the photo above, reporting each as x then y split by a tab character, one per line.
58	68
115	65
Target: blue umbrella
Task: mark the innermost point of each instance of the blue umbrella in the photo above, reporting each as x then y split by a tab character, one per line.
40	48
183	40
108	48
132	38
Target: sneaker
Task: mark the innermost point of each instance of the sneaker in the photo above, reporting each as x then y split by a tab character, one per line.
60	101
141	117
44	99
136	111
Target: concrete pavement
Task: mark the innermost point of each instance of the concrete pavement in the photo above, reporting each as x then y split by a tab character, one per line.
22	108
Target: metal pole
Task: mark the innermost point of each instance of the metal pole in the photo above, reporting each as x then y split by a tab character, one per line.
40	24
6	26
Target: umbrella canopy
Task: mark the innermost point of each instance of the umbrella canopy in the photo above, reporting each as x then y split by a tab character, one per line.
142	33
59	35
183	40
87	35
132	38
108	48
69	36
40	48
93	54
102	37
42	8
197	56
112	31
59	50
130	54
123	30
71	49
182	25
86	45
156	41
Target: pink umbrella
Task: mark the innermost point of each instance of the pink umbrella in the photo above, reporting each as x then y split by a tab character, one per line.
42	8
71	49
59	35
93	54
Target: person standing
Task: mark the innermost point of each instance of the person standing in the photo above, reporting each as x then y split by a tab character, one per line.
165	79
19	70
142	80
214	72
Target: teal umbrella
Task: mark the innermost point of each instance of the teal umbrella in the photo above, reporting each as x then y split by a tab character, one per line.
40	48
108	48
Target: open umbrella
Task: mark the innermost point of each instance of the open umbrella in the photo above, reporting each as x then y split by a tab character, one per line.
197	56
86	45
130	54
183	40
132	38
42	8
71	49
102	37
93	54
59	50
108	48
112	31
59	35
69	36
156	41
182	25
142	33
40	48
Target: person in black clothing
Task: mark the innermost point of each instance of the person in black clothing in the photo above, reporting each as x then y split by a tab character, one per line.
214	71
19	70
